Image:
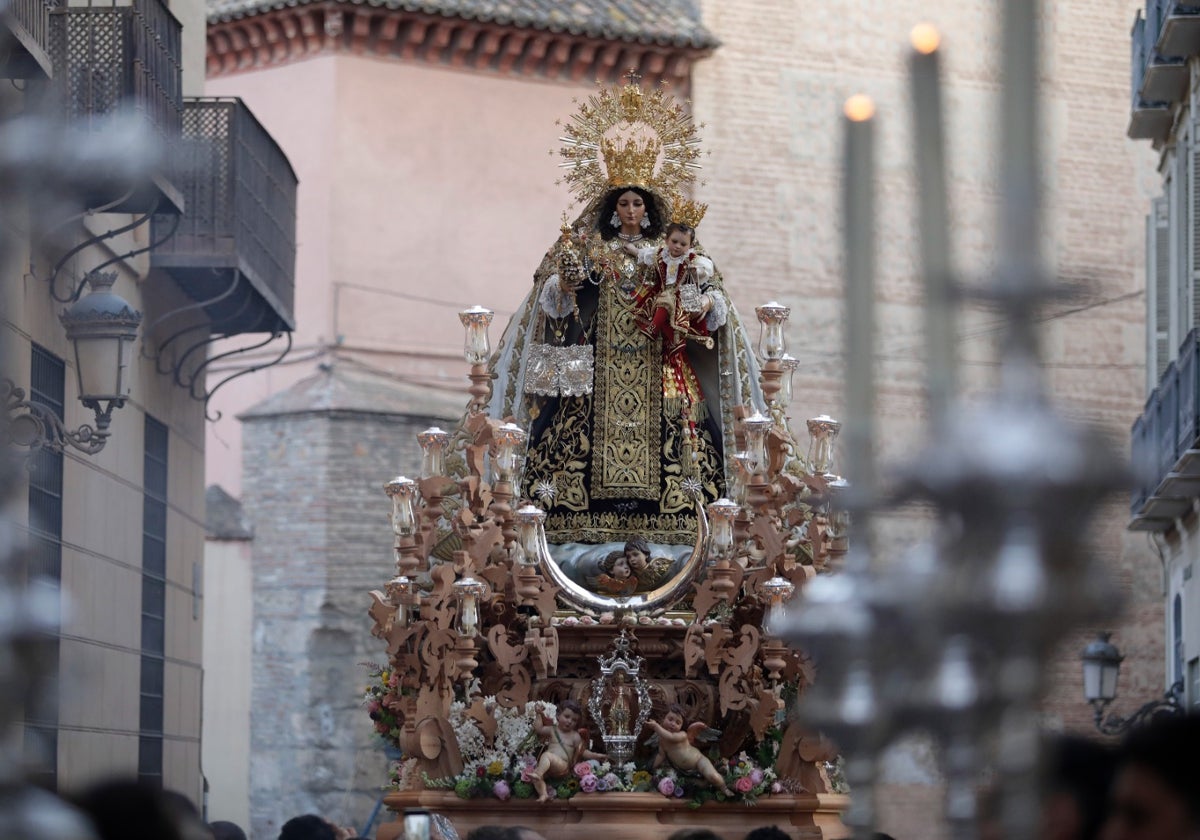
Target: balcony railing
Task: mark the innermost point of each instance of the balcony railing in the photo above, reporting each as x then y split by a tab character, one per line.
1180	32
1164	444
24	39
234	249
109	58
1159	80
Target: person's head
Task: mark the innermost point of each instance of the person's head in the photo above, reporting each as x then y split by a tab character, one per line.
307	827
225	830
1078	774
524	832
569	715
494	832
130	810
694	834
767	832
674	718
637	552
680	238
1156	794
631	205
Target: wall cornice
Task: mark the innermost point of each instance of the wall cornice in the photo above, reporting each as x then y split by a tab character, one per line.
281	36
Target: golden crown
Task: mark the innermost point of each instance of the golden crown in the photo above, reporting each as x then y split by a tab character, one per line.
630	164
626	136
684	211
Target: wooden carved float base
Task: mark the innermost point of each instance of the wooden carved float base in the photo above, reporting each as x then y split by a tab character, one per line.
630	816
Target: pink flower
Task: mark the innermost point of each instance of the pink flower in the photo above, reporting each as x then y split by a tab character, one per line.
588	783
744	785
666	786
525	775
582	769
776	787
373	707
756	776
502	790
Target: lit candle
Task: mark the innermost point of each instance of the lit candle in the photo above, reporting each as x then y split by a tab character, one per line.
859	255
1020	261
934	219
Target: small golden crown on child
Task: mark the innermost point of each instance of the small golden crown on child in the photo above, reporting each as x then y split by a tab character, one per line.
684	211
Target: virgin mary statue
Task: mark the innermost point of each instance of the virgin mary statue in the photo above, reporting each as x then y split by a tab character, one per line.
623	432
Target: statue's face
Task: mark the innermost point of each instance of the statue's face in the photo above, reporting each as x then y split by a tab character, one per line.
637	559
678	243
630	209
672	722
567	720
620	569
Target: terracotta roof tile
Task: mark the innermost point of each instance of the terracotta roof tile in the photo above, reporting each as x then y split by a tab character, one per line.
668	22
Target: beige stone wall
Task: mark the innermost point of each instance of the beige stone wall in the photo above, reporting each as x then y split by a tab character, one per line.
228	629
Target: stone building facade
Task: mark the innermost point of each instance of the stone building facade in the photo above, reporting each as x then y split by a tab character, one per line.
313	459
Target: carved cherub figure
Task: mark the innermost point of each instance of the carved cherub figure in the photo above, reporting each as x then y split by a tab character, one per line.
564	746
616	576
677	745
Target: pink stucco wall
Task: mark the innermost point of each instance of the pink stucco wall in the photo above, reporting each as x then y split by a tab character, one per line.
431	188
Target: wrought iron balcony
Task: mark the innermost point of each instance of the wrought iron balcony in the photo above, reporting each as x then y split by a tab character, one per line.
24	39
1164	444
1180	33
1157	82
234	250
112	57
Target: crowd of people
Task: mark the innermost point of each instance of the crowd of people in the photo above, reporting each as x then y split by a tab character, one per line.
1147	788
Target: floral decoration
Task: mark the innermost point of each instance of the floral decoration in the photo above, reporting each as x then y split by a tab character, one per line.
501	769
382	699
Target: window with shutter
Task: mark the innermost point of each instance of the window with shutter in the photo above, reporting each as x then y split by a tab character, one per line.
1158	283
1181	228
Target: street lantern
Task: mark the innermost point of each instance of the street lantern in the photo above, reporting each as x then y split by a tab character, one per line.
102	326
1101	665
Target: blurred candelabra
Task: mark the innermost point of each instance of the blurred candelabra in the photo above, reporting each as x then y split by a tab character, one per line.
951	639
46	170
